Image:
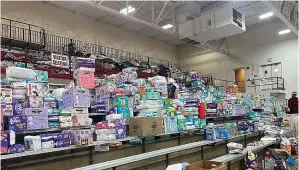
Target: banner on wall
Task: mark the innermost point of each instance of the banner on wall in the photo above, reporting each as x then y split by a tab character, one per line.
59	60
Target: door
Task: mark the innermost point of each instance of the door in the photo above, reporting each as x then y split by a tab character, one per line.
240	79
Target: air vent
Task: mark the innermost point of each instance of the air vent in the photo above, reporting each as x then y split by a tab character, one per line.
190	41
237	17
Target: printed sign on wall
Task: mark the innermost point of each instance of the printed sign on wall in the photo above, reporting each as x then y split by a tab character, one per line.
59	60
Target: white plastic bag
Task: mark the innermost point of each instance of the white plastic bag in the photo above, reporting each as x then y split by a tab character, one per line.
285	144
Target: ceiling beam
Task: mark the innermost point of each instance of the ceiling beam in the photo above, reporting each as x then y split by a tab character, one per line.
161	12
164	15
137	8
281	16
127	17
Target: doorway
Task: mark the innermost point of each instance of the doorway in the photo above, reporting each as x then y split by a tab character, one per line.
240	79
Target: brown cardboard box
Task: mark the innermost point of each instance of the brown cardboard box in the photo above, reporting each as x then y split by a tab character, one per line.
145	126
207	165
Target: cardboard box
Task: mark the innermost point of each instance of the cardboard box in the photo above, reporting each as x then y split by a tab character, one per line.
207	165
146	126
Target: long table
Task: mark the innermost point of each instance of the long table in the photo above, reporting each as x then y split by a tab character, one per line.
122	161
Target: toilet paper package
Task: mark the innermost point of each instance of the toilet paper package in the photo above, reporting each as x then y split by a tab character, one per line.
19	106
32	143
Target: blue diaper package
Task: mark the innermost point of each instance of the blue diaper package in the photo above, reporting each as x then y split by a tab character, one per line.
211	134
223	133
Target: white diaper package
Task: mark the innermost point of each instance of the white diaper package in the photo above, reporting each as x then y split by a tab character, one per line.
104	131
113	116
66	124
19	91
146	106
48	144
106	137
18	85
33	143
19	73
65	119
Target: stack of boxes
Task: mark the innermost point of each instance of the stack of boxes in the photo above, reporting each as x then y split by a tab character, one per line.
78	101
6	98
113	128
51	105
84	72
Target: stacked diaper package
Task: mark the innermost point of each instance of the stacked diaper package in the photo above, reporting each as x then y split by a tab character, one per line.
29	87
84	72
77	100
46	141
8	143
113	128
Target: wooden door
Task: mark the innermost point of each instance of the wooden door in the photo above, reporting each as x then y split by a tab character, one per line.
240	79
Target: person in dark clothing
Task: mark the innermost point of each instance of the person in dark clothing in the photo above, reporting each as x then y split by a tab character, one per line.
293	103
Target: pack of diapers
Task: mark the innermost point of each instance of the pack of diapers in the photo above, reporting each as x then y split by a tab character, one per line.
33	143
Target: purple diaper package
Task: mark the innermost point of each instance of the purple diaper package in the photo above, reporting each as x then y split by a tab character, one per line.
17	123
61	136
63	143
120	129
76	98
19	106
37	122
17	148
53	119
46	137
36	111
83	62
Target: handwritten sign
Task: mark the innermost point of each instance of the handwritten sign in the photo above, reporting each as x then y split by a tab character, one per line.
59	60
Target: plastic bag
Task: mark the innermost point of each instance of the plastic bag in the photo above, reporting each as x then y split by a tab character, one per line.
250	160
285	144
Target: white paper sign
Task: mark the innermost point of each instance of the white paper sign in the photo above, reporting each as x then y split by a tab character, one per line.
59	60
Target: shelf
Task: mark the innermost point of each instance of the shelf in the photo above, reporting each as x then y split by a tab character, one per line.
51	130
97	114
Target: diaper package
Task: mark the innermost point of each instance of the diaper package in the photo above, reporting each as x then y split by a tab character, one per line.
32	143
17	148
37	89
19	106
35	102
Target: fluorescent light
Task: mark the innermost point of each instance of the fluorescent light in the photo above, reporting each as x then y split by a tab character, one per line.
276	70
167	26
266	15
284	31
127	10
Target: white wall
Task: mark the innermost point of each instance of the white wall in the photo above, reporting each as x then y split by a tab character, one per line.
251	48
68	24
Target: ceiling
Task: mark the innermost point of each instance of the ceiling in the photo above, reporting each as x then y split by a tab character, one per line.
163	12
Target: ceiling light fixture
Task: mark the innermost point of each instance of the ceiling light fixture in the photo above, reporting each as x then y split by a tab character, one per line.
128	10
167	26
266	15
284	31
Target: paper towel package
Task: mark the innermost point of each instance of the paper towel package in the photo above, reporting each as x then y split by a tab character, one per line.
76	98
